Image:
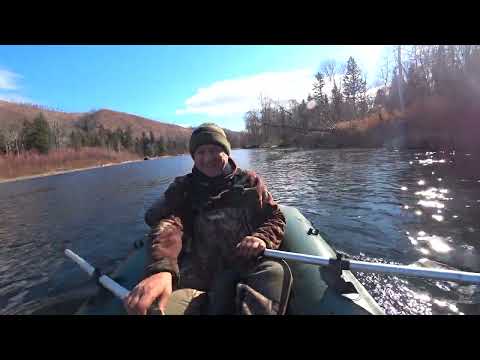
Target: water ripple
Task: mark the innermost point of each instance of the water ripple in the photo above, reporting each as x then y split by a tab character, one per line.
374	204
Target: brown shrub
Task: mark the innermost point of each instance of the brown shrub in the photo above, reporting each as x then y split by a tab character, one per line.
33	163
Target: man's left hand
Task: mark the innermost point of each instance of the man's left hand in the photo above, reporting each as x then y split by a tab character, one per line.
251	246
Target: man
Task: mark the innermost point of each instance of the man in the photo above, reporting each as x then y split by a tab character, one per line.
208	232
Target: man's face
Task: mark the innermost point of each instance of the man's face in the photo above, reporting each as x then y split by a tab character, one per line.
210	159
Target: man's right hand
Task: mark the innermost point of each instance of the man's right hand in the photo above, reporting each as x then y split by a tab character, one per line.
157	286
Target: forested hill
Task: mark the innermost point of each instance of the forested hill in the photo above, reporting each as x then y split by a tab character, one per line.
28	126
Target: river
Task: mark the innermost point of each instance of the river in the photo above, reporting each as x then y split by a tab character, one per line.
401	207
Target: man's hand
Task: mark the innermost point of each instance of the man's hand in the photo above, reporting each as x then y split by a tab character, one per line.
251	246
147	291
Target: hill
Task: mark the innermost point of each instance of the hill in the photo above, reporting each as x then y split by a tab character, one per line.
13	114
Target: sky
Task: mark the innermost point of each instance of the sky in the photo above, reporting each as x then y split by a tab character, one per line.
184	85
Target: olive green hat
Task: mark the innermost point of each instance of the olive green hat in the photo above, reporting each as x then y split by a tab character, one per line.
209	133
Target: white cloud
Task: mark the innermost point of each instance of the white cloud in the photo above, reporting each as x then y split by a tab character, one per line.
8	80
237	96
370	55
369	58
11	97
8	86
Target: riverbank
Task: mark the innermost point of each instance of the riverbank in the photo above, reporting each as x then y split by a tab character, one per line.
60	172
432	124
31	165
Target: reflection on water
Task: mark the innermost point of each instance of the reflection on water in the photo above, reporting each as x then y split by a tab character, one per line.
376	205
435	242
395	207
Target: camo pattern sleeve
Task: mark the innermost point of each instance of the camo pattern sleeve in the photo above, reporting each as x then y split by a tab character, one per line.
166	220
272	224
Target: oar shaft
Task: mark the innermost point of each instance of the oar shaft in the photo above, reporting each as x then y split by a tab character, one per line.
440	274
89	269
106	282
355	265
113	286
303	258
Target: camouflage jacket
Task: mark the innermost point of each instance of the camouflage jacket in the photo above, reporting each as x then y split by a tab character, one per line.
203	219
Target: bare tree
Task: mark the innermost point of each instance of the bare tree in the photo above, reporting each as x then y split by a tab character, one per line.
12	137
329	69
385	71
253	126
3	140
57	132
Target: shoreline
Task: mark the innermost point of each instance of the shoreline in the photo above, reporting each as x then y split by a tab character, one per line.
60	172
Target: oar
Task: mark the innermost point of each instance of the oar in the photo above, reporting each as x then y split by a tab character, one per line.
109	284
117	289
355	265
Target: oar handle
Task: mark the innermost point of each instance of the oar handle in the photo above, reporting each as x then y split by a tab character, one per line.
108	283
355	265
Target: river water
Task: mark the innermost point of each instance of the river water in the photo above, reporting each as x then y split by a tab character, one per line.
401	207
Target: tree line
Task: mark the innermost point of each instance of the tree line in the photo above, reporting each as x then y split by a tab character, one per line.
44	134
407	76
275	122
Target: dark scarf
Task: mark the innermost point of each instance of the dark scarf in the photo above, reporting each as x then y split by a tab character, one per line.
205	186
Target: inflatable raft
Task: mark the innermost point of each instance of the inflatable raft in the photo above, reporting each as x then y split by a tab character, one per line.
315	290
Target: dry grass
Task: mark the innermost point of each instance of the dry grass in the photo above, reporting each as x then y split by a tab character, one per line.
32	163
381	117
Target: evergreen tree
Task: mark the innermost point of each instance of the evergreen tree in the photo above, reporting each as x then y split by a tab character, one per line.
318	88
160	146
337	100
75	140
146	146
354	86
37	134
127	138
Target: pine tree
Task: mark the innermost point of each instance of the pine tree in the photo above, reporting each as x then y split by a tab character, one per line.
337	100
127	138
354	86
146	146
37	134
75	140
363	100
318	88
160	146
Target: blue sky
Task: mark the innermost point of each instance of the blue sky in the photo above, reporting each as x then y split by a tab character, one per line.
184	85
